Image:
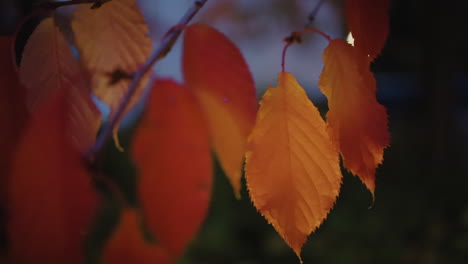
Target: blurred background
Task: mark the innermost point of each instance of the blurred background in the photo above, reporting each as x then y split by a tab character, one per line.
421	210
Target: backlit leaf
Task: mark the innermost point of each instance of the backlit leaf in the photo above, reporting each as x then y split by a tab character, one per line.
171	150
368	21
47	66
357	123
109	38
218	74
51	196
127	244
292	170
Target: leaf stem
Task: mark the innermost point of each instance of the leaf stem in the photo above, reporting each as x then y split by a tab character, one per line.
311	30
283	56
159	53
296	37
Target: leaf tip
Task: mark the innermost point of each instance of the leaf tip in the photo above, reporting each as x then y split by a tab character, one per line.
115	137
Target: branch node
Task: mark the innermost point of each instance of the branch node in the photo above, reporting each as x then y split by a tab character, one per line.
168	41
119	75
295	37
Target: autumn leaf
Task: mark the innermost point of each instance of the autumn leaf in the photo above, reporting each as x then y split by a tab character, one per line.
292	170
171	151
51	197
112	38
58	71
368	21
215	70
127	244
357	123
13	113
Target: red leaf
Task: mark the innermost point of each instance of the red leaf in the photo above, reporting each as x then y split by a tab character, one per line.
48	67
357	123
171	151
128	246
292	170
368	21
218	74
52	200
12	112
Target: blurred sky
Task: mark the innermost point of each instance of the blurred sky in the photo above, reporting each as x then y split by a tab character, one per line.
258	28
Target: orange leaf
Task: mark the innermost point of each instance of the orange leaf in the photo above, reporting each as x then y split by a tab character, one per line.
52	200
357	123
48	66
109	38
171	150
215	69
128	246
292	170
12	112
368	21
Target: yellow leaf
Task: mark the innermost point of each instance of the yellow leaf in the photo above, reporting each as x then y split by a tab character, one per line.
292	170
112	37
48	67
357	123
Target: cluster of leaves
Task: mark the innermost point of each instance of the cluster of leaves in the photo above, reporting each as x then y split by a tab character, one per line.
292	155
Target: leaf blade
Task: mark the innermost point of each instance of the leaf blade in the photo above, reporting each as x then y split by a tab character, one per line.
357	123
218	74
292	186
13	114
51	197
59	72
368	21
171	150
128	246
111	37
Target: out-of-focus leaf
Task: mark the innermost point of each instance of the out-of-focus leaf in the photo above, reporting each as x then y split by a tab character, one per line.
357	123
113	37
127	244
368	21
51	197
47	66
171	150
292	170
12	112
218	74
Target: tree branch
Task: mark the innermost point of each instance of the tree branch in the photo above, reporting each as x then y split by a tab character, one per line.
313	14
55	5
160	52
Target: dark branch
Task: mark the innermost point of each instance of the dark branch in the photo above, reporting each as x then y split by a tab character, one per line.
55	5
160	52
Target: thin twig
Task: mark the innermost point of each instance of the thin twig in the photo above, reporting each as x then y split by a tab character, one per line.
55	5
313	14
295	37
159	53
